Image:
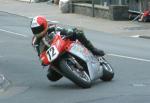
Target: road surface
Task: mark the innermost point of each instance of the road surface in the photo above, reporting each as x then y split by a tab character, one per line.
19	63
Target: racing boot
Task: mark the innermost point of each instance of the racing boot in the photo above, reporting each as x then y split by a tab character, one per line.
97	52
81	37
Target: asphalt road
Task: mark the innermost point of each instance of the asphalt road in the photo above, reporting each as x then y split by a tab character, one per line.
129	57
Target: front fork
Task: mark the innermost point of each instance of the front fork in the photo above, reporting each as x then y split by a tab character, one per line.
75	62
101	60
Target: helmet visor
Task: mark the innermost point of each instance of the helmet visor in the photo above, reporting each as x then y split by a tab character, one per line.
37	30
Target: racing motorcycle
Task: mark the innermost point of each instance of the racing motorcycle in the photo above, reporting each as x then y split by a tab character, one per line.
75	62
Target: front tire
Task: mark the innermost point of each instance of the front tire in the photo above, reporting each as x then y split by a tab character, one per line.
79	77
108	72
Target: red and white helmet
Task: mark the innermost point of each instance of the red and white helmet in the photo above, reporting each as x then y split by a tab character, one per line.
38	24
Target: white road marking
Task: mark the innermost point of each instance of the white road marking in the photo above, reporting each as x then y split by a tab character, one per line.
127	57
135	36
18	34
139	85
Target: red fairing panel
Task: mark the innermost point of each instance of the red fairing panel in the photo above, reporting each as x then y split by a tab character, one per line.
44	58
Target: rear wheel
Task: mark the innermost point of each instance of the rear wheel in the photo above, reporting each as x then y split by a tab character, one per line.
53	75
76	75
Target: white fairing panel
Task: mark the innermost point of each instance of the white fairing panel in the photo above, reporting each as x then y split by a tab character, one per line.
92	63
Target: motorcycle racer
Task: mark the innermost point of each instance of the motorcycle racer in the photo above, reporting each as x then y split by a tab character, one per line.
44	33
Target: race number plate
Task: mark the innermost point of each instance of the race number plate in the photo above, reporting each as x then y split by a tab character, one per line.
52	53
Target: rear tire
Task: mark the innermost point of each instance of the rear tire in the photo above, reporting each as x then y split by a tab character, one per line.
53	75
80	78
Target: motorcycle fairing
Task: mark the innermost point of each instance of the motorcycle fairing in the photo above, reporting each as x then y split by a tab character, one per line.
83	53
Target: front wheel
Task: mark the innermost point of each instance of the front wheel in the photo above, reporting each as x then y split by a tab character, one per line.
108	72
76	75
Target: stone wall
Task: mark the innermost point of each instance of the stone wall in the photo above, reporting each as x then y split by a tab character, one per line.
102	11
119	12
33	0
82	8
43	0
113	12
